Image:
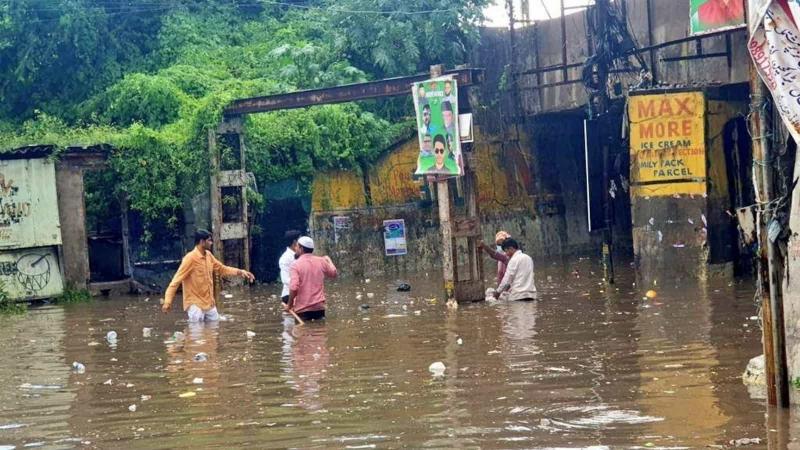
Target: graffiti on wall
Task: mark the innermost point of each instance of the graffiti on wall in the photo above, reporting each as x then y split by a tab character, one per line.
31	273
13	209
28	204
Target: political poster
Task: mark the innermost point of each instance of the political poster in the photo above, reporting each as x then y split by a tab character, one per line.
715	15
341	225
436	104
394	237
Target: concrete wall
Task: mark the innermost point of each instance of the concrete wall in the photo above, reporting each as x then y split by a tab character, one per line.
543	41
678	231
544	209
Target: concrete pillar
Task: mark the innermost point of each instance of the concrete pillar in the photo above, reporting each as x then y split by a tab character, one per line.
680	200
72	214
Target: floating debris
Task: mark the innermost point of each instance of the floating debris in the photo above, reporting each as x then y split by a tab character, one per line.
78	367
201	357
437	369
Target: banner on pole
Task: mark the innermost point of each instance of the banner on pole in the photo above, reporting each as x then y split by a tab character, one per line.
436	104
774	45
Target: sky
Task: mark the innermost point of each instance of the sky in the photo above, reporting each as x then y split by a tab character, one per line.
496	15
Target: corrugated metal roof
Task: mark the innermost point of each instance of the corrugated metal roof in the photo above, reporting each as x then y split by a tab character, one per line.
43	151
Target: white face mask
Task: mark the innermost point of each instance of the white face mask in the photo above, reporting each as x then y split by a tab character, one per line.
499	248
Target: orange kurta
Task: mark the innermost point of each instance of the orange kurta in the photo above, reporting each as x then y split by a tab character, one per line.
196	275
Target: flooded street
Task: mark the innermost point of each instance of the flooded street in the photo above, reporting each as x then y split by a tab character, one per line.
578	368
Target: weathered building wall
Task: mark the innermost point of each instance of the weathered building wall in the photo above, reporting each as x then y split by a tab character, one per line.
30	233
547	216
682	227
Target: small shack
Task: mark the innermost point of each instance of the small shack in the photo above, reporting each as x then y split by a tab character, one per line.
44	247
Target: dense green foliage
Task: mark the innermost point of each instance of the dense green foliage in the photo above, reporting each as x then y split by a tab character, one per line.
9	306
72	296
151	78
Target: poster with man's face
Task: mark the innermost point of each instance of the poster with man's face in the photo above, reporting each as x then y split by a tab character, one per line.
436	104
714	15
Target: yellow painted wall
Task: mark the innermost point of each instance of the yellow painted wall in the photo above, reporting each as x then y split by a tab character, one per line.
503	178
718	114
391	180
336	190
503	171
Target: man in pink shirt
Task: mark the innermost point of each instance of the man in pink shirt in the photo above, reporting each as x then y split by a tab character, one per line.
307	285
498	255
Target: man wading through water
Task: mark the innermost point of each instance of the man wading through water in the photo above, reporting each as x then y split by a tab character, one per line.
307	282
196	275
518	279
287	260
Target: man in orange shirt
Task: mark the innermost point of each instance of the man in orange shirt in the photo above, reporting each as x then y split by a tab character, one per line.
196	275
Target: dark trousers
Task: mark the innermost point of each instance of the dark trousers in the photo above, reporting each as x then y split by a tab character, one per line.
312	315
285	299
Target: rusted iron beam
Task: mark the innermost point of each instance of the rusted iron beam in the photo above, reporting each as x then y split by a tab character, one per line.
347	93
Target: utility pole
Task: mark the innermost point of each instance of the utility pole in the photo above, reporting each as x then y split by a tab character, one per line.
769	264
600	110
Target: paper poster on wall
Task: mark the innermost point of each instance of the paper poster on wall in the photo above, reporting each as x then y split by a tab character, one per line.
340	226
436	104
715	15
394	237
667	139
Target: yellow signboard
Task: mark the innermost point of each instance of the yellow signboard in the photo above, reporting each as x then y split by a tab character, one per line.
667	135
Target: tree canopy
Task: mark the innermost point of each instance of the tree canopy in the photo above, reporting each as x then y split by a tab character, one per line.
151	77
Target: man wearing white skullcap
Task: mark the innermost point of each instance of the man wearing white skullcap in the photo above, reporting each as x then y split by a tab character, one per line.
307	281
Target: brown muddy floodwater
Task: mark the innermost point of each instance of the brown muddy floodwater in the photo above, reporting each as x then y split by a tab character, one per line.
578	368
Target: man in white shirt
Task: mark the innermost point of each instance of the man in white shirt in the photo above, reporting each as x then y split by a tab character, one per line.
518	279
286	261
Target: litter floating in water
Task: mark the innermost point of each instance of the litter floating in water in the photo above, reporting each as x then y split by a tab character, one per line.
364	307
132	408
651	294
145	398
78	367
405	287
437	369
197	381
200	357
146	332
178	336
459	341
228	295
111	336
367	281
370	295
745	441
108	382
250	334
187	394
